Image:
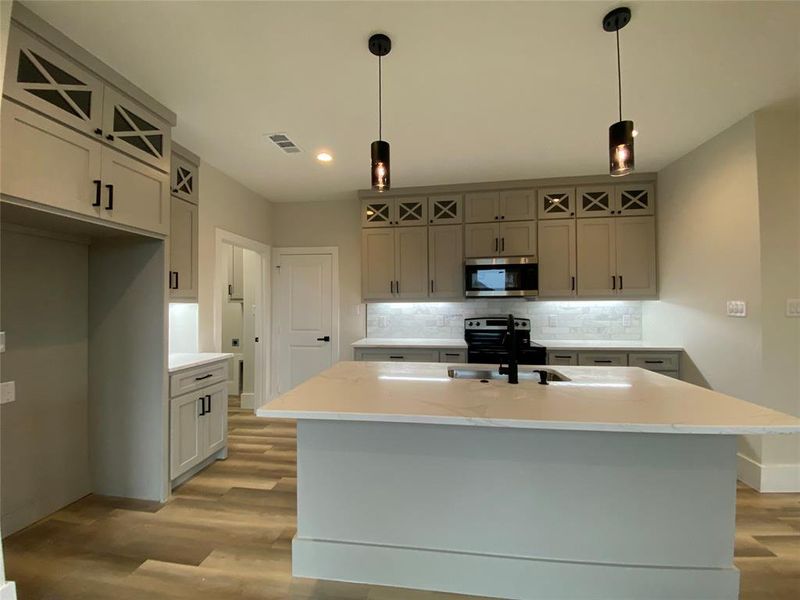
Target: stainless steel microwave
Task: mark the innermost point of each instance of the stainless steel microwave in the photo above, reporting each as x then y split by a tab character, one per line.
513	276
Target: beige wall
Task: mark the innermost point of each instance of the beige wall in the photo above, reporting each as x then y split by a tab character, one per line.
45	434
228	205
728	230
329	224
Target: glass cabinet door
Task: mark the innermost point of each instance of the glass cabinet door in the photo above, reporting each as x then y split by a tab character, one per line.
635	199
595	201
133	129
556	203
445	210
411	211
377	213
183	181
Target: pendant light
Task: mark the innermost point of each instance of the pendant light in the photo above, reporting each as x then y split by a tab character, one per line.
380	45
621	133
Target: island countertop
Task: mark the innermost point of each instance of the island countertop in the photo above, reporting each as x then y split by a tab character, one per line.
617	399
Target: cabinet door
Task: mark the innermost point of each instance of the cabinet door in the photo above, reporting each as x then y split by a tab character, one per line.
635	199
518	239
446	261
557	258
517	205
636	256
131	128
377	264
481	240
411	262
134	194
236	274
562	357
183	249
397	355
411	211
46	80
184	179
186	433
48	163
596	257
215	419
377	213
595	201
445	210
556	203
481	207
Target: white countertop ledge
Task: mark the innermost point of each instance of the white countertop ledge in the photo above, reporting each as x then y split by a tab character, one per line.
181	361
410	343
615	399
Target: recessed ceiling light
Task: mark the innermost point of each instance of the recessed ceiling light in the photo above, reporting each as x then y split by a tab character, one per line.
324	157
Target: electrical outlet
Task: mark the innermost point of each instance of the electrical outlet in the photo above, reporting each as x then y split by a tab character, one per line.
793	307
235	342
626	320
736	308
8	392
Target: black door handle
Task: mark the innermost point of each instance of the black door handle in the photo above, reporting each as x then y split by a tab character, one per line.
202	405
110	205
327	338
98	184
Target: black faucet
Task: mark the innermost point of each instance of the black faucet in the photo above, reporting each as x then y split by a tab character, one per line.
512	370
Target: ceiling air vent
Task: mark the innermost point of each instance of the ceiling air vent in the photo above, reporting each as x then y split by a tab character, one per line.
282	141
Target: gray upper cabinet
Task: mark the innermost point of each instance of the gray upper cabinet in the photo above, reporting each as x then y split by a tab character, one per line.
517	205
184	179
557	258
46	80
411	211
635	199
389	212
377	263
481	207
183	231
596	201
556	203
133	129
446	209
446	262
484	240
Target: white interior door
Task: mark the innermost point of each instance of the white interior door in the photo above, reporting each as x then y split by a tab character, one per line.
305	317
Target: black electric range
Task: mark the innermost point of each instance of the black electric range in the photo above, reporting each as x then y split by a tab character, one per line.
486	341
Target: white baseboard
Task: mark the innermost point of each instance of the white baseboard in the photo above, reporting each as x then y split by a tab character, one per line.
517	578
768	478
8	591
248	400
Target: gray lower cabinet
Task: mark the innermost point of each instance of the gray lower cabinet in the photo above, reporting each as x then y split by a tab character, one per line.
562	357
666	363
198	418
410	354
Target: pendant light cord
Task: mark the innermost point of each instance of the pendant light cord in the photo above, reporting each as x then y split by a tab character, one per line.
380	100
619	79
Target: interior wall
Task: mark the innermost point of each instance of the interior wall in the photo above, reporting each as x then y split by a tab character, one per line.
182	327
228	205
335	223
44	434
709	252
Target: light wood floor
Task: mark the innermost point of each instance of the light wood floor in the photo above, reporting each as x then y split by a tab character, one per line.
226	535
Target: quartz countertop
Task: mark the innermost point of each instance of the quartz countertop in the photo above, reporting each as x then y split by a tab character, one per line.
630	346
179	362
369	342
619	399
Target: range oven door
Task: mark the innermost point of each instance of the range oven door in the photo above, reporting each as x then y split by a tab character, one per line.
498	277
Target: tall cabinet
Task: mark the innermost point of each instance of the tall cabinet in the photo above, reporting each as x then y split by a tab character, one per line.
183	239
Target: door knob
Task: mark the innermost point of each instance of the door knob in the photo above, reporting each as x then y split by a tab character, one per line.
327	338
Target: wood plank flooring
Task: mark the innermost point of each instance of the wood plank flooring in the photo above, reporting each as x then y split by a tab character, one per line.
226	534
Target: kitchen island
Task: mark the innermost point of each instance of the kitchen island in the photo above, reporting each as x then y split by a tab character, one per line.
613	483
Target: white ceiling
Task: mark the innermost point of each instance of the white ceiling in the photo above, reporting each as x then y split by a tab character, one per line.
473	91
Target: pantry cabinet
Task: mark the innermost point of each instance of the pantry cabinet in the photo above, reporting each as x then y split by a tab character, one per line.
557	258
183	245
446	262
500	239
616	257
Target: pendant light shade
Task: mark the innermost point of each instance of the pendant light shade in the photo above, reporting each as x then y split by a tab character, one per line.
620	134
620	148
380	45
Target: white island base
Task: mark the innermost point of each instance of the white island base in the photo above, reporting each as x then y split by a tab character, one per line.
517	513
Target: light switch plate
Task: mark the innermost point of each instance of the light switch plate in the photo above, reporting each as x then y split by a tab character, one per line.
7	392
793	307
736	308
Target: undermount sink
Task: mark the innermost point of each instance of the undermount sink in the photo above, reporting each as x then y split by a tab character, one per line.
490	374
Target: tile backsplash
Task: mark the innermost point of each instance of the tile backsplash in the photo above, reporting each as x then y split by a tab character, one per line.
573	320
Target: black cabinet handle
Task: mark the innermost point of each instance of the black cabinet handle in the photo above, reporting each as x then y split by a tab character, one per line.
170	280
97	192
204	377
202	406
613	282
496	243
397	357
605	362
573	283
176	280
620	282
326	338
431	286
208	412
110	137
98	131
397	286
174	190
230	290
452	354
654	362
502	244
561	356
110	205
502	217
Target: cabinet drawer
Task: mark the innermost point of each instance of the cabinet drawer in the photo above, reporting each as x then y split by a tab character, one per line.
655	361
398	355
602	359
453	356
560	357
197	377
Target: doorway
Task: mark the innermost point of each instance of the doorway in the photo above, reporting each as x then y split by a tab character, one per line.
306	314
241	315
